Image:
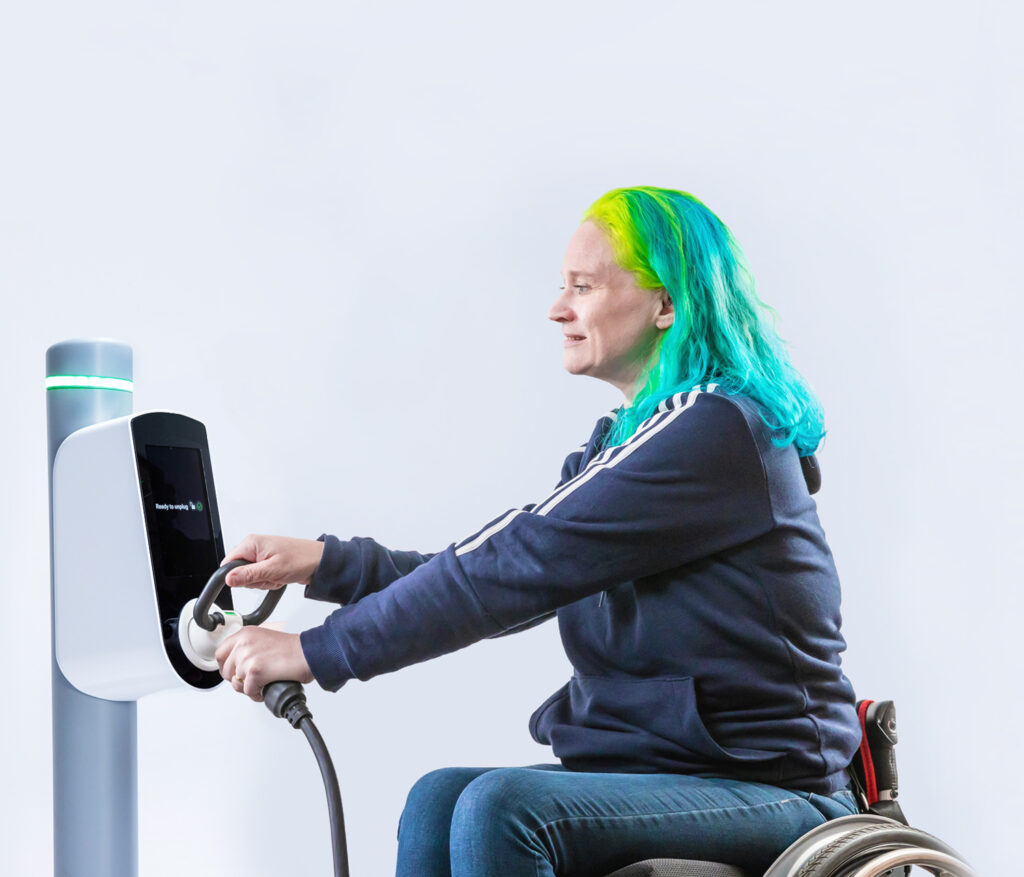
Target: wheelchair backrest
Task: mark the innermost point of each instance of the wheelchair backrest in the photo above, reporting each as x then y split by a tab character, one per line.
873	768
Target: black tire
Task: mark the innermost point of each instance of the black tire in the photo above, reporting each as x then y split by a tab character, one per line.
856	848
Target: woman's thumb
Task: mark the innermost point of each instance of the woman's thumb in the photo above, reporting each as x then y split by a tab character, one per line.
249	575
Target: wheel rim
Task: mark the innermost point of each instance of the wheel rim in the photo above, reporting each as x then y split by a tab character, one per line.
802	850
932	860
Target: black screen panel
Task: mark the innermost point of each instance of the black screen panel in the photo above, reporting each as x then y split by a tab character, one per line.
180	508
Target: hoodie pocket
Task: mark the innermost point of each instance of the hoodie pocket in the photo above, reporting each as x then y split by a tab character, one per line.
663	707
663	710
538	725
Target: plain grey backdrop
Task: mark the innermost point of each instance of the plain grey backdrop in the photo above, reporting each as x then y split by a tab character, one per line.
332	231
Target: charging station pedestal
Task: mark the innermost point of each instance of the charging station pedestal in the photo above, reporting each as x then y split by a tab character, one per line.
95	752
135	549
135	541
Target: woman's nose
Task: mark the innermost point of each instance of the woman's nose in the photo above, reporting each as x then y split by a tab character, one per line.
560	311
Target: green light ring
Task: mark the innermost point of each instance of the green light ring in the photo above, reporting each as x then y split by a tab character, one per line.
87	382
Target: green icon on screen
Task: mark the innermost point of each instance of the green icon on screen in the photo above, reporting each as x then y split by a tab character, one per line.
199	506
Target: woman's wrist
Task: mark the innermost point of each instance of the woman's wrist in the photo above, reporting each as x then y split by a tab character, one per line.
313	551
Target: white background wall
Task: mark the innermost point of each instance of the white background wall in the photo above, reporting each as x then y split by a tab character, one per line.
332	231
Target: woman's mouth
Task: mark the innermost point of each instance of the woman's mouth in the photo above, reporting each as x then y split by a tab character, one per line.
571	340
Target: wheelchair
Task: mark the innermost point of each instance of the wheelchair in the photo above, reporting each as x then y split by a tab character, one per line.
878	841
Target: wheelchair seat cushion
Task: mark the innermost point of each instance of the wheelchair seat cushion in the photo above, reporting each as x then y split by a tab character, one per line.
679	868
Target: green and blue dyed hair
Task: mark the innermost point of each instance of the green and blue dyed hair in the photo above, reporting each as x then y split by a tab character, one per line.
722	331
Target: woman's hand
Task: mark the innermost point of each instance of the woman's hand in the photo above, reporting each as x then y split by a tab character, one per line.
256	656
274	561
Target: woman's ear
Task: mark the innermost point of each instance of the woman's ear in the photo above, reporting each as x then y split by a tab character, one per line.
667	315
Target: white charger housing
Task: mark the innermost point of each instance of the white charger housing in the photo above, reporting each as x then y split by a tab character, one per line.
136	535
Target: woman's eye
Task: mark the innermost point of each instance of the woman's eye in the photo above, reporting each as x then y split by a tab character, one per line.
582	289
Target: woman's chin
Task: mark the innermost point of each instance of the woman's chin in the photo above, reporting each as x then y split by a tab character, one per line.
575	367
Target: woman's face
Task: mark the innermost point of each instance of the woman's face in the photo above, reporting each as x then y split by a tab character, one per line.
610	325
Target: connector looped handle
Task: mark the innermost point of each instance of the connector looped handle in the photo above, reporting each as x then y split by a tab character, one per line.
208	621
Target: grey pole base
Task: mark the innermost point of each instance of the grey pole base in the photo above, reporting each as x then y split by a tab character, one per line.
95	773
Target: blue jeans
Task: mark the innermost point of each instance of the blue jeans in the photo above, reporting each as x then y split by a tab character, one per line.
545	820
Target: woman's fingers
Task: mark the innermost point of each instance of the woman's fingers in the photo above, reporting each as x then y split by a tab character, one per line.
247	549
230	656
226	658
274	561
264	575
255	656
253	686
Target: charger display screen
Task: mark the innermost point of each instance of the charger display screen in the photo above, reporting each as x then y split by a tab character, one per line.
180	508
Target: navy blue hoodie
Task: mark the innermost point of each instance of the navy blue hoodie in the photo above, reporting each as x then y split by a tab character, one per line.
696	597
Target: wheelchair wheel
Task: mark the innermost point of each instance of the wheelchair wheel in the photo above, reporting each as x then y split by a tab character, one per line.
867	846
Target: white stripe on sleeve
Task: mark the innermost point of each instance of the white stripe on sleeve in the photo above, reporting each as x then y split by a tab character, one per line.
606	460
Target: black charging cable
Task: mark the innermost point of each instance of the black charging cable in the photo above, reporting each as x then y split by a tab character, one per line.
287	700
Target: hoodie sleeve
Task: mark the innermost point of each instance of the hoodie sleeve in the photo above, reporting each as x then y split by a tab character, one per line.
689	483
350	570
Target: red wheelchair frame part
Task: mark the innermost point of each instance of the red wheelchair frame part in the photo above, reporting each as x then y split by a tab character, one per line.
870	785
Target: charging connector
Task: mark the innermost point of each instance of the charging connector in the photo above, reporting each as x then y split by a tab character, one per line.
287	700
200	645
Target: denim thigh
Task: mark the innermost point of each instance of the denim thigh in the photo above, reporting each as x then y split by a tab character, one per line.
544	820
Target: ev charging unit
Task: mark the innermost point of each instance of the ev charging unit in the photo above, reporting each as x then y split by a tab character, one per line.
134	537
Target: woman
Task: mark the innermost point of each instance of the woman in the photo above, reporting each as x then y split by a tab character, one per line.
681	551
